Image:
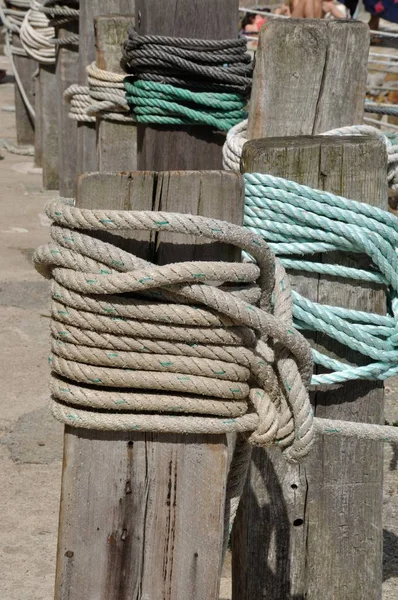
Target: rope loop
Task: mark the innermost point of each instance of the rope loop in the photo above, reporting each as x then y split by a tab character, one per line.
194	347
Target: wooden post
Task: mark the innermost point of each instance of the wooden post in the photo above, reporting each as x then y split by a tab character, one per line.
66	73
89	9
310	76
314	531
38	121
142	514
165	148
26	68
49	126
116	141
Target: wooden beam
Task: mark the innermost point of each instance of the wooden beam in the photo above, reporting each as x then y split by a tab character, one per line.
288	539
142	515
304	531
49	126
116	142
164	148
67	74
26	68
309	77
89	9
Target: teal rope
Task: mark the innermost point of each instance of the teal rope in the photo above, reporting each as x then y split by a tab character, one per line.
166	104
296	221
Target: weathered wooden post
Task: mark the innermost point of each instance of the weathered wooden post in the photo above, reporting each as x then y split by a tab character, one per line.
24	68
49	126
116	141
67	73
89	9
142	515
187	147
314	531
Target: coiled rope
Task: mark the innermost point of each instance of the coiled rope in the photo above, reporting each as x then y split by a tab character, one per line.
12	16
187	81
298	220
142	347
175	333
37	35
237	137
104	97
61	12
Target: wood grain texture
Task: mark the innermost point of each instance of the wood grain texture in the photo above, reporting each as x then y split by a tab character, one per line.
49	126
26	68
116	142
67	74
142	514
304	74
188	147
89	9
314	530
38	120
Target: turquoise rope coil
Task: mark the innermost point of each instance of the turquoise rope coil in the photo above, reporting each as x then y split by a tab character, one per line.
166	104
296	221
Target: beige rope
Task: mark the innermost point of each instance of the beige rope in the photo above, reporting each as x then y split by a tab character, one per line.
194	347
103	97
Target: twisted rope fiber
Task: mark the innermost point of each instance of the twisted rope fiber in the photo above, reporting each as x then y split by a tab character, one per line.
187	81
104	97
298	220
61	12
237	137
194	350
381	109
12	19
36	35
187	355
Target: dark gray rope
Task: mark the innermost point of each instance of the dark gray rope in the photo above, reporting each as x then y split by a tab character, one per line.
61	12
190	63
380	109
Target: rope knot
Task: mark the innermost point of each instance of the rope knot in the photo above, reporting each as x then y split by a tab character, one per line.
191	347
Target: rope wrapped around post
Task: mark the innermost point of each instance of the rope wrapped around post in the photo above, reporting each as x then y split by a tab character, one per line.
178	81
104	97
237	137
199	351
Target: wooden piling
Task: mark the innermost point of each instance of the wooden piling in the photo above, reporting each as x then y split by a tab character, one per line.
26	68
164	148
116	141
66	73
314	530
142	515
89	9
49	126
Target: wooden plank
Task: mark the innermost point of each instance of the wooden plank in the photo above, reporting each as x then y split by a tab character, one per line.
67	73
38	120
188	147
116	142
26	68
305	530
304	74
49	126
274	547
89	9
142	514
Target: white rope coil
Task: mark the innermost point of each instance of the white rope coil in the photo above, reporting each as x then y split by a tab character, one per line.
237	137
104	98
37	35
178	353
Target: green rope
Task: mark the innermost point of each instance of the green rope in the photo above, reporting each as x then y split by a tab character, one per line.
166	104
297	220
